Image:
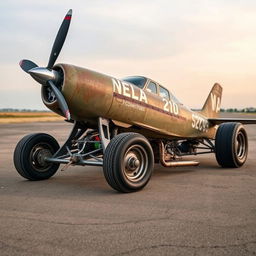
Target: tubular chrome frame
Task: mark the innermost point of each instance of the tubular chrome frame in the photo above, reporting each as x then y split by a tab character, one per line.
72	151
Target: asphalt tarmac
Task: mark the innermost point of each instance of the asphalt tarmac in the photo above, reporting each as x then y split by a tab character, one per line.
204	210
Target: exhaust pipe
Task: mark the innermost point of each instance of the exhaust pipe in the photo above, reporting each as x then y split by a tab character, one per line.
173	163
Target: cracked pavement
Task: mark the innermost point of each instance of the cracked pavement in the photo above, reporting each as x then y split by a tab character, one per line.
204	210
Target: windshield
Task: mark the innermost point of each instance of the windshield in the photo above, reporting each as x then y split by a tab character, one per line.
139	81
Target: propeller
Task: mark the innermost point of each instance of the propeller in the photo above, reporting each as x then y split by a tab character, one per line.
26	65
46	75
62	103
60	39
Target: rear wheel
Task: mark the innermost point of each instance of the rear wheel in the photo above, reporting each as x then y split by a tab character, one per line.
231	145
128	162
30	153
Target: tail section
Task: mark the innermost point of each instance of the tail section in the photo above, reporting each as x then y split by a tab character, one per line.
212	104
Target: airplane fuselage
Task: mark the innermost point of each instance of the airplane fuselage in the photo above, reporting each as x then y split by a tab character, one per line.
90	95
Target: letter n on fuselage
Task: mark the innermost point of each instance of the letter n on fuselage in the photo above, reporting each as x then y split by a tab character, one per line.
117	86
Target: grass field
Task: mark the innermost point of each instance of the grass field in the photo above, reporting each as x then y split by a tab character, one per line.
20	117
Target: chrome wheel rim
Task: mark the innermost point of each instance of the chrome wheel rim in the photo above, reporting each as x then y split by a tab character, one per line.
241	146
38	155
135	163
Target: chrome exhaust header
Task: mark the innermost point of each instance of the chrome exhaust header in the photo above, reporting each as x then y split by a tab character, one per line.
173	163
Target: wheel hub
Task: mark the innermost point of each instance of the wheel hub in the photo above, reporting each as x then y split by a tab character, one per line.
135	163
132	163
39	156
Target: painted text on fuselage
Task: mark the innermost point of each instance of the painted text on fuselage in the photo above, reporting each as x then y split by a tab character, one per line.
128	90
199	123
171	106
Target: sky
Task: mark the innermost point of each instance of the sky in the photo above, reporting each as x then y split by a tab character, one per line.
185	45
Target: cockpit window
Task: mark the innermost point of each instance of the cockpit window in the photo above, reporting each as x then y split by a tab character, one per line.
139	81
164	93
152	87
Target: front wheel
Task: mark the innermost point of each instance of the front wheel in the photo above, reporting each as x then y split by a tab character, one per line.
231	145
128	162
30	154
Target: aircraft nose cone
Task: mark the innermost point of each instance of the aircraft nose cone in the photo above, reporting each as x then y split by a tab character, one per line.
42	75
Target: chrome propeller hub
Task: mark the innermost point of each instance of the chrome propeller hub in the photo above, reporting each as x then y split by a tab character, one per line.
43	75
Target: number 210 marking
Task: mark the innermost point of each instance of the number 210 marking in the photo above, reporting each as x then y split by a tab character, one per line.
171	107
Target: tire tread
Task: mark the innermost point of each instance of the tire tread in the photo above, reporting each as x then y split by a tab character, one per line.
20	152
111	158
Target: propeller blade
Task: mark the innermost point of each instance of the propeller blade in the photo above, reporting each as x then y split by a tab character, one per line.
61	100
26	65
60	39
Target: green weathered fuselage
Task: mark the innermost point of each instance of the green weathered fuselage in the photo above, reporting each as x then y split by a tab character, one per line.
90	95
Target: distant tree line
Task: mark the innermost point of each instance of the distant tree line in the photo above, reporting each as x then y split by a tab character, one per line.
230	110
236	110
21	110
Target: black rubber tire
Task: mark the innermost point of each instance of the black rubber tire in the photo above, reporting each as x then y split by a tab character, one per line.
23	161
114	157
231	145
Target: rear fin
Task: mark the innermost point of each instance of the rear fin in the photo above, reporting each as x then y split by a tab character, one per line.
212	104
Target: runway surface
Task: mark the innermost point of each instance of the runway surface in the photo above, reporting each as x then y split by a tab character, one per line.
204	210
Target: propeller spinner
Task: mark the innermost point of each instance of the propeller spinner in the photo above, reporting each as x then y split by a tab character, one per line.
46	76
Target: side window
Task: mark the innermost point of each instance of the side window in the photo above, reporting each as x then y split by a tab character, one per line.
164	93
152	88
